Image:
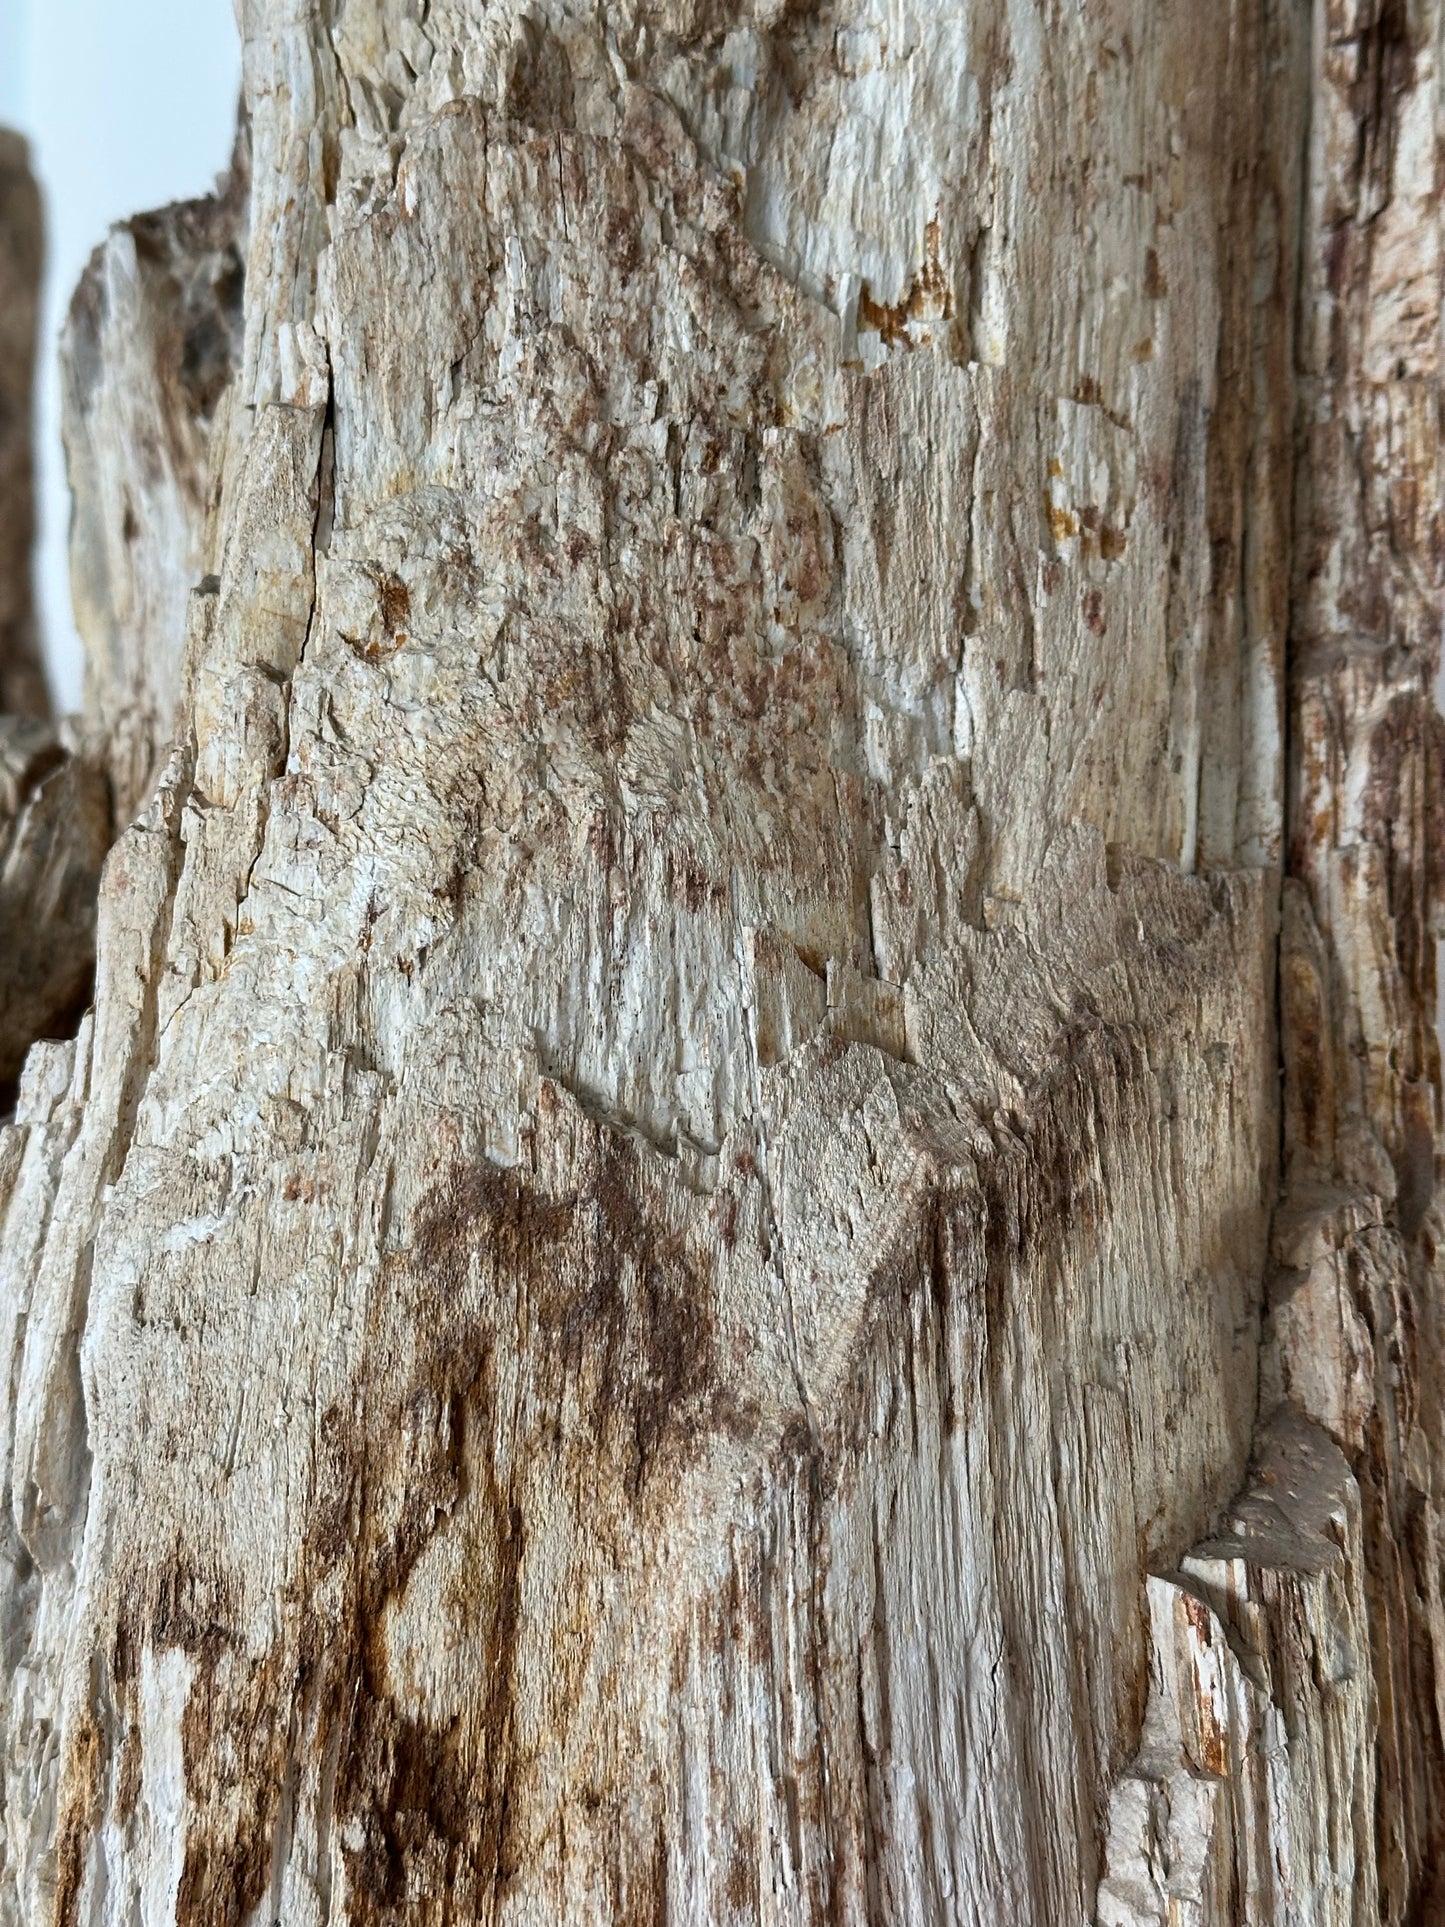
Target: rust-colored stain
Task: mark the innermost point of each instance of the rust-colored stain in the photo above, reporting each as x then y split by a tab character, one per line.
393	600
80	1791
929	297
1213	1741
617	1326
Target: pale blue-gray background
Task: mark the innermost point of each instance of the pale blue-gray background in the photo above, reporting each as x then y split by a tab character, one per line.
127	104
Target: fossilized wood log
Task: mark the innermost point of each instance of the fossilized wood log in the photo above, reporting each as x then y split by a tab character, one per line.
646	1292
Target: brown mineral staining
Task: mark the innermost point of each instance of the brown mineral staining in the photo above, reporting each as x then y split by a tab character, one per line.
692	887
188	1608
1415	1158
228	1864
128	1778
742	1882
232	1746
1312	1085
1213	1755
387	633
429	1805
538	78
929	298
395	604
80	1798
1033	1211
622	1318
427	1826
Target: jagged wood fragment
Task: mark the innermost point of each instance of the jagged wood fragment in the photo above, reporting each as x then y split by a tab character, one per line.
54	831
54	804
1250	1800
22	680
149	350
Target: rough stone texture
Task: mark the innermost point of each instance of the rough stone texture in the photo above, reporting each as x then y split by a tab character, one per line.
662	1238
22	681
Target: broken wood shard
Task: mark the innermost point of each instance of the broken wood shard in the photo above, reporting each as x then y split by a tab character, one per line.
22	681
54	804
54	832
1249	1798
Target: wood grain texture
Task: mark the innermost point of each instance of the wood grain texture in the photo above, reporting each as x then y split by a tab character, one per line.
785	665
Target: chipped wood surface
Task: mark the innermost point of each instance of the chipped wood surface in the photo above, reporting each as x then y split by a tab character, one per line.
778	657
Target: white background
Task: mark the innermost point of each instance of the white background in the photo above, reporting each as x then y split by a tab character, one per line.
126	106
